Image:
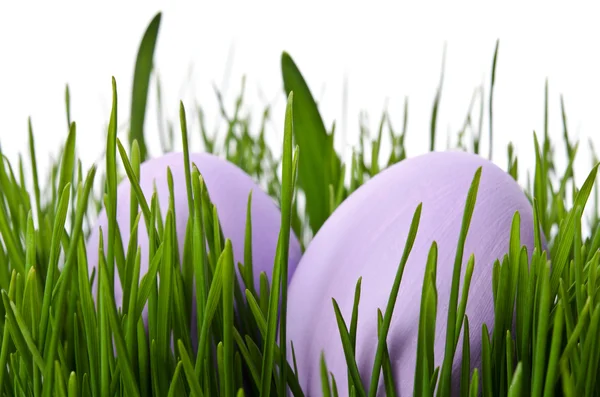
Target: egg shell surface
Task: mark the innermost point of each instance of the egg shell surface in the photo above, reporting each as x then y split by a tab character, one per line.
365	237
228	187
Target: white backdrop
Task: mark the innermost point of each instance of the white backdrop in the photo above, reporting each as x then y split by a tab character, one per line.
385	52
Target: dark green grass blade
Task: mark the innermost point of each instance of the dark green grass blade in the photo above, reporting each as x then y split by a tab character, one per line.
486	363
388	376
354	323
141	83
314	174
465	367
510	347
261	322
4	352
248	273
111	181
189	372
245	352
165	293
348	352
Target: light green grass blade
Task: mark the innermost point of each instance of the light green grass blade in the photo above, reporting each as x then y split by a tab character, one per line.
20	331
281	263
68	160
53	263
491	100
129	378
515	389
436	105
228	275
427	319
175	381
212	302
446	373
486	363
462	307
348	352
82	203
552	374
567	232
189	372
543	314
387	319
325	377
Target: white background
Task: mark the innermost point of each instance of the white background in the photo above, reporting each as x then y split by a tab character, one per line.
385	52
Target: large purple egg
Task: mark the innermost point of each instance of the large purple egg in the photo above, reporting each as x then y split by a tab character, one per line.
228	187
365	237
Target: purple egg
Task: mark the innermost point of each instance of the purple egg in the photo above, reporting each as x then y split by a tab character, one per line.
228	187
365	237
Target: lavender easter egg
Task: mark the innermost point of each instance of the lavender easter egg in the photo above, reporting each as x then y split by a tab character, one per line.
365	237
228	187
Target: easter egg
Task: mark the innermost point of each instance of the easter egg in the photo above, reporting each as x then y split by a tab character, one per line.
365	237
228	188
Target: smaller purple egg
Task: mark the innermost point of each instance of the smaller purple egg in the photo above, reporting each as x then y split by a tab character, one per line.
365	237
228	187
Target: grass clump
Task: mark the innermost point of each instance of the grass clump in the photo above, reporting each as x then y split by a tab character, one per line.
55	341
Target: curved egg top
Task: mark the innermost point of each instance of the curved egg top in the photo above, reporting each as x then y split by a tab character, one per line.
228	187
365	237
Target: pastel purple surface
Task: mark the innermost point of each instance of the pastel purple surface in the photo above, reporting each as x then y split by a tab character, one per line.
365	237
228	187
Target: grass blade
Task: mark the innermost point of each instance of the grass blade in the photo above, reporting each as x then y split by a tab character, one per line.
141	83
314	173
446	374
387	319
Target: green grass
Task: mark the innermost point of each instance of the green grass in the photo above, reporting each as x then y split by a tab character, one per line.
56	342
